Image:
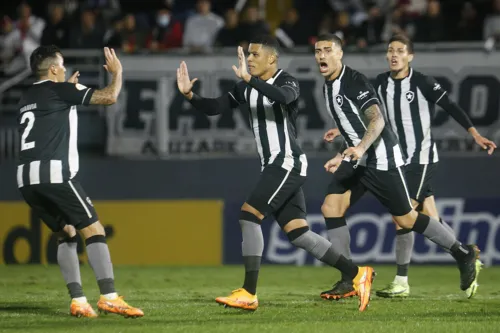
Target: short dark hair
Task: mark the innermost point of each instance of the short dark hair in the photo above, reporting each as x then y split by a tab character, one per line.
42	58
330	38
267	41
403	40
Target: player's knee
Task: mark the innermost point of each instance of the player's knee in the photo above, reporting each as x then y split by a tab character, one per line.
294	234
249	209
294	224
95	229
406	221
249	217
334	206
68	231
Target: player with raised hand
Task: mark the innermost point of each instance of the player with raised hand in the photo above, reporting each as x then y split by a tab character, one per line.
48	164
271	96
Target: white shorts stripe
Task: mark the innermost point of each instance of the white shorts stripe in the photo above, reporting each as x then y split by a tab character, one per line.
80	199
35	172
20	169
422	181
56	176
279	188
404	184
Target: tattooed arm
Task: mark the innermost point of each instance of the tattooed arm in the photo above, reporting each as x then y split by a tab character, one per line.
375	126
108	95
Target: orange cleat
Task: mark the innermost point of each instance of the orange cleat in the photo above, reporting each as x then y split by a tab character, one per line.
118	306
78	309
363	286
241	299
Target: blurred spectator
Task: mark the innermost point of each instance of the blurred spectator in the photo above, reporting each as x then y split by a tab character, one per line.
395	24
166	32
20	39
86	35
353	8
57	30
344	29
430	27
491	28
468	27
253	25
202	28
113	36
105	9
370	31
291	32
231	33
133	38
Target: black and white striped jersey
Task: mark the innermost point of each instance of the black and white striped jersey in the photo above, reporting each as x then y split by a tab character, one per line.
347	98
409	103
48	126
272	109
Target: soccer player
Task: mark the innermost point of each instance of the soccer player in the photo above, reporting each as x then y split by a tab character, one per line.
271	96
372	162
48	164
409	98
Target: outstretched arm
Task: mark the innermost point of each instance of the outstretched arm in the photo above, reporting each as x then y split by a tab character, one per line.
209	106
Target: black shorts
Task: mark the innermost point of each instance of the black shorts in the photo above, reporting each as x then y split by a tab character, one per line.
60	204
389	187
279	193
419	180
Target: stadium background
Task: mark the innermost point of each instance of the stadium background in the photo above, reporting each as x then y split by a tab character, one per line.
158	172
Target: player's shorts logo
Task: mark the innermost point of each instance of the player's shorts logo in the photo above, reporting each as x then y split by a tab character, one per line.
90	202
339	99
409	96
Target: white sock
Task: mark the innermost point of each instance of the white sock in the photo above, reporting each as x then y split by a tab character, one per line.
401	280
82	299
111	295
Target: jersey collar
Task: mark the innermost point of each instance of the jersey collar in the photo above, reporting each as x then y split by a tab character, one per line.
38	82
338	77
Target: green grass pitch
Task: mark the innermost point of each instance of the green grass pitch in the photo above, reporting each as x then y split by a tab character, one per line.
181	299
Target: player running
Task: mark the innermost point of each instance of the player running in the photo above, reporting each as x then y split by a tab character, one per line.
372	162
271	96
48	164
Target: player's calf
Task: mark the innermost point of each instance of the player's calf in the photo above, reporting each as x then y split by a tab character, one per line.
100	261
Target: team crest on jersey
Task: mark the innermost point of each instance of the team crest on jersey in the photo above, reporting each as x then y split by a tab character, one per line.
409	96
339	99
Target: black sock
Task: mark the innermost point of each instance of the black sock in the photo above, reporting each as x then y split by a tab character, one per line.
345	276
458	251
402	270
348	269
252	265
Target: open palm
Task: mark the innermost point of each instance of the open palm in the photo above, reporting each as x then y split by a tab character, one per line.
183	83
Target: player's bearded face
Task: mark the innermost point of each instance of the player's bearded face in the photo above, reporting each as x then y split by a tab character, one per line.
398	56
328	56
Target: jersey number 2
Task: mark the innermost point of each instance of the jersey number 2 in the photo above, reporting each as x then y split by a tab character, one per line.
30	118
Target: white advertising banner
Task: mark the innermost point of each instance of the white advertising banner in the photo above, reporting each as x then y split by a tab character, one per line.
153	119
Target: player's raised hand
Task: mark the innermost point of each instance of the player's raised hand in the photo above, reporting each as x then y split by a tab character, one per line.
113	64
485	143
333	164
74	77
331	134
355	153
183	83
242	71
